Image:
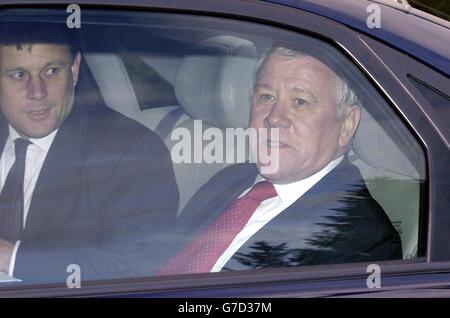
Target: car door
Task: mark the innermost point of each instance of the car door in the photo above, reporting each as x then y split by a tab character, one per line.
401	147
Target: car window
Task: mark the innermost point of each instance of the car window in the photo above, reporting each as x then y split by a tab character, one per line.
437	99
189	144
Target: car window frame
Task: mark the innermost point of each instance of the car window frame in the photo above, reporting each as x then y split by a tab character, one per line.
404	104
401	66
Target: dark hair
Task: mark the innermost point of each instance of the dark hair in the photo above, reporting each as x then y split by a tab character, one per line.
27	33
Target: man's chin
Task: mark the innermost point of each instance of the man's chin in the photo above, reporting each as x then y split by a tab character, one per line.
271	173
36	133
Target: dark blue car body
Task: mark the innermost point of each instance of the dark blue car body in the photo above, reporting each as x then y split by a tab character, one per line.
425	40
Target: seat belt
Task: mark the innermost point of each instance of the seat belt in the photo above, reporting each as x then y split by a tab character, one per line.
165	126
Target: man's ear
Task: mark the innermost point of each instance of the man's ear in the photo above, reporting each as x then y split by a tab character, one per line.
349	125
75	68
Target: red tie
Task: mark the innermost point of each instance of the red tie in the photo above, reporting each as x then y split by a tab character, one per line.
204	251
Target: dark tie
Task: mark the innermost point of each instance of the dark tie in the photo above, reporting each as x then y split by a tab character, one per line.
204	251
11	198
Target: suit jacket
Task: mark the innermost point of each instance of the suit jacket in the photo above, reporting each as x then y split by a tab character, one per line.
106	184
336	221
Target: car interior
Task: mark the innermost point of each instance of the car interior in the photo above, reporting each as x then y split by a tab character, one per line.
167	75
215	89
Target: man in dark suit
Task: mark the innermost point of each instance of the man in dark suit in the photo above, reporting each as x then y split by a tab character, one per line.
80	183
314	208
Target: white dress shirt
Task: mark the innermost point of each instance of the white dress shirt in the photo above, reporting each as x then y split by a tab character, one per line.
35	156
270	208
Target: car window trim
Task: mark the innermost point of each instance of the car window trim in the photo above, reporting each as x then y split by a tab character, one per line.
404	273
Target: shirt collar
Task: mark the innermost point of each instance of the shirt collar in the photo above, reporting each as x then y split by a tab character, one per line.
43	143
289	193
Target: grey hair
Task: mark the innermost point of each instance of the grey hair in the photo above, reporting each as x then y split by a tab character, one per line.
345	96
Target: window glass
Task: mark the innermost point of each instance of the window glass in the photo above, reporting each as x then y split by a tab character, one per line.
160	144
437	99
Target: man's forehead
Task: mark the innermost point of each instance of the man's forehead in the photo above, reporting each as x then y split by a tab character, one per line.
302	74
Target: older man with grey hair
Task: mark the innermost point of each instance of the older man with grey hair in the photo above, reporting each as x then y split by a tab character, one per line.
315	208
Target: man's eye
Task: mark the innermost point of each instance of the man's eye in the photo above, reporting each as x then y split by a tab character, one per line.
266	97
52	71
18	75
300	102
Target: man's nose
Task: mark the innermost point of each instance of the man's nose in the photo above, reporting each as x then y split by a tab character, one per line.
277	117
36	88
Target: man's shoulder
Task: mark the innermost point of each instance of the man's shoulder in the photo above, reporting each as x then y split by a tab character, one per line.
108	127
108	120
355	192
365	213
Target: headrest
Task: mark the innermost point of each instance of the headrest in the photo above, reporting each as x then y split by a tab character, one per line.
213	82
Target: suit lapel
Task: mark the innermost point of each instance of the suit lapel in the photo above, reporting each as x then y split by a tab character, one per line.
288	231
303	220
214	197
59	169
3	132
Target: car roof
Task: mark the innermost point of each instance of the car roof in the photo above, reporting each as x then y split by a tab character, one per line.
415	32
